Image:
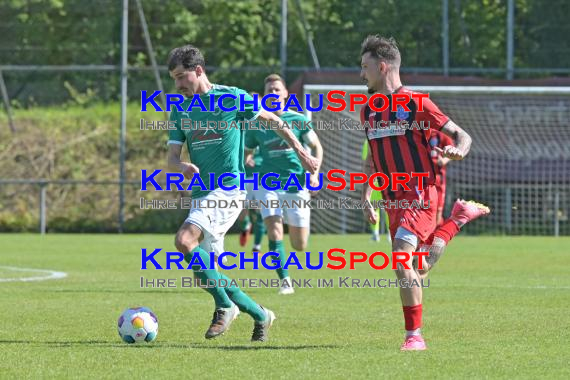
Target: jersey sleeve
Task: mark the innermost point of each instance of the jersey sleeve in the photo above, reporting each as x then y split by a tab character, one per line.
250	110
250	140
175	136
432	114
305	131
309	137
304	128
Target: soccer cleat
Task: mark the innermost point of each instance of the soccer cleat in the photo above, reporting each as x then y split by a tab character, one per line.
286	287
261	329
375	237
223	318
465	211
244	235
414	343
256	248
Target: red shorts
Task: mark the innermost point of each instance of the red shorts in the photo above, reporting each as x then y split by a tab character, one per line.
421	222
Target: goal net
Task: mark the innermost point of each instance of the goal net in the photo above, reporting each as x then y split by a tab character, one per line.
519	162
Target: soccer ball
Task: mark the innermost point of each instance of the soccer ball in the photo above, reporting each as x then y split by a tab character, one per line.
137	325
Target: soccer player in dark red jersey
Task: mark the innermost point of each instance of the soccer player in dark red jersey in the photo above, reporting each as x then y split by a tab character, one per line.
438	141
407	150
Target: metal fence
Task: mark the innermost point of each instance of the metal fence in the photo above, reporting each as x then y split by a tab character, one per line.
446	46
87	206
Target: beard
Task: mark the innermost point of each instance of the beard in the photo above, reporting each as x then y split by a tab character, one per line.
371	90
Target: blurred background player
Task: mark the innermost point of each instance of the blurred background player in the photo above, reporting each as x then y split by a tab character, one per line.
216	151
376	196
399	150
438	141
251	220
278	157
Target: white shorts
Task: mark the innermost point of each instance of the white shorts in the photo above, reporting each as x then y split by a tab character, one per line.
215	222
252	194
407	236
297	216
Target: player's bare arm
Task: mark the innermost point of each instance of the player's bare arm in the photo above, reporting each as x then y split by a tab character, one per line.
310	163
315	144
174	162
248	159
462	142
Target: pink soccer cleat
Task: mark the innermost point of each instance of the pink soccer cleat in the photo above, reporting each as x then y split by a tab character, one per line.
414	343
465	211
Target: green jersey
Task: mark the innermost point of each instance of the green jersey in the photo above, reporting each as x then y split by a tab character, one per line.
278	156
219	148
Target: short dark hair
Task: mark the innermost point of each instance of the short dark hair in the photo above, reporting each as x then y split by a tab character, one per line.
187	56
274	78
385	49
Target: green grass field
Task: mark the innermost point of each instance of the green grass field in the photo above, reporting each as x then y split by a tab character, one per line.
497	307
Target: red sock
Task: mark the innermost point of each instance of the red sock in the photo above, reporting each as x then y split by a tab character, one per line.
447	230
413	317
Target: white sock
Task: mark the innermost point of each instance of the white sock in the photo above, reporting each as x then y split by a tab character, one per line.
413	332
286	282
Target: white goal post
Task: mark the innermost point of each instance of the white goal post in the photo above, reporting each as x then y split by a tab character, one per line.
519	162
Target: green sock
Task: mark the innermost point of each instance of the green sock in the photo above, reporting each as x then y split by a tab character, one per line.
277	246
259	230
220	297
245	223
243	301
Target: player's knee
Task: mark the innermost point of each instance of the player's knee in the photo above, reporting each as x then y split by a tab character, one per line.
181	244
274	228
403	272
273	234
399	271
188	237
185	243
299	244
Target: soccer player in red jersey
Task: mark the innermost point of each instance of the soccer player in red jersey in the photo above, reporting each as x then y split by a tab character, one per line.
407	150
438	141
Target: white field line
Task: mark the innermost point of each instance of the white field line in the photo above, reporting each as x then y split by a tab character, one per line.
48	274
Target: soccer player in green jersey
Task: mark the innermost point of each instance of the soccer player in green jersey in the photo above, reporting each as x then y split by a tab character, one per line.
280	158
217	151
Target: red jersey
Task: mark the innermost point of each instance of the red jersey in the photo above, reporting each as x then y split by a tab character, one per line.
402	150
440	140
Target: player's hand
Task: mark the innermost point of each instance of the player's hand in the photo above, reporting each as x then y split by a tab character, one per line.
310	163
370	215
190	170
314	182
250	162
451	152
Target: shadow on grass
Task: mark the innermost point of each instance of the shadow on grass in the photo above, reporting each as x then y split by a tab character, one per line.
178	290
163	345
145	290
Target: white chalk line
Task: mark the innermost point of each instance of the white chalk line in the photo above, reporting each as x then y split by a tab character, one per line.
506	286
50	274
